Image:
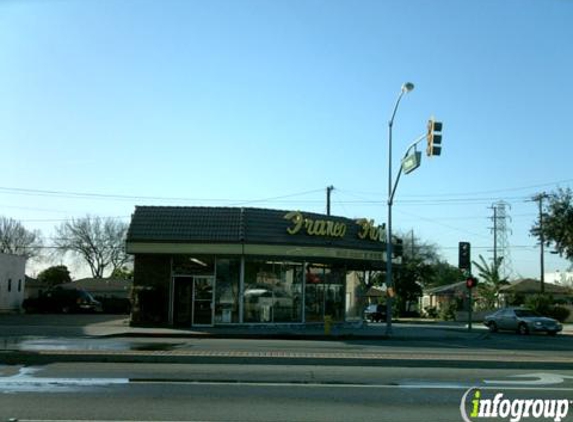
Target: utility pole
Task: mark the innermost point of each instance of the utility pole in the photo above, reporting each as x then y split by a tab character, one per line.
539	198
329	190
494	235
412	243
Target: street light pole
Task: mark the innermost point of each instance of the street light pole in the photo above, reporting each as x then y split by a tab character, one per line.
407	87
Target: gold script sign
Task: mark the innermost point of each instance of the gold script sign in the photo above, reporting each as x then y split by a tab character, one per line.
314	227
368	230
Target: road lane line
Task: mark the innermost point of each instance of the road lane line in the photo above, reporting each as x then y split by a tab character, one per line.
421	386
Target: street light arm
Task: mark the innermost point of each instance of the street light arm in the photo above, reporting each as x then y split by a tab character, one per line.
412	145
391	121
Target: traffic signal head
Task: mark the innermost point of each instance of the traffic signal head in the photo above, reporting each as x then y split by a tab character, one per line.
471	282
464	256
434	138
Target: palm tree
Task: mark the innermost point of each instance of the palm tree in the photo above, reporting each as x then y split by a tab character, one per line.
491	283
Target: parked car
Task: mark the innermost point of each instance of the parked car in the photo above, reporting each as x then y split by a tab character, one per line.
375	313
522	320
63	299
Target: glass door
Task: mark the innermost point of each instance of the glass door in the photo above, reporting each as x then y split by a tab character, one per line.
203	300
182	301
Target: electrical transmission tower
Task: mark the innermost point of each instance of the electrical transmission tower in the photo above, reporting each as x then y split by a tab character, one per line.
501	231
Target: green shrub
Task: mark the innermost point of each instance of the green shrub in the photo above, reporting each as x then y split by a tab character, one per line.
559	313
540	303
431	312
516	299
448	311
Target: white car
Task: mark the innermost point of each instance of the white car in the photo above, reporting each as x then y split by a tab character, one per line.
522	320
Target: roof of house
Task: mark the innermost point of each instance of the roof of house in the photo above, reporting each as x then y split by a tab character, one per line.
529	285
447	289
375	291
102	285
35	283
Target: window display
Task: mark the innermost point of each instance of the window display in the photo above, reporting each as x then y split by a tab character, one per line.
273	291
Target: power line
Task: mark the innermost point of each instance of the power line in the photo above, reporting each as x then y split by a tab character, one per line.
56	220
476	193
438	200
91	195
431	220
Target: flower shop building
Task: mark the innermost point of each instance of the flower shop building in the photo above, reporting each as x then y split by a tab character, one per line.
205	266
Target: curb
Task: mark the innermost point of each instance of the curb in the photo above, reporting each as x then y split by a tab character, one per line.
293	336
335	335
278	358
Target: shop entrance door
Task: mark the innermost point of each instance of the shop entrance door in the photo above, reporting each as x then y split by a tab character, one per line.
193	301
182	301
203	295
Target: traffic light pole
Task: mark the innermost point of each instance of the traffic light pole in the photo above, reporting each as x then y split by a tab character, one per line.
391	193
470	313
391	188
410	166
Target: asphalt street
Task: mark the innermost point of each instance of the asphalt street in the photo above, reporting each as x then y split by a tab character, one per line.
96	368
161	392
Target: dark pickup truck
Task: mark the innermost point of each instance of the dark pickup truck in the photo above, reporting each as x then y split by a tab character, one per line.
63	300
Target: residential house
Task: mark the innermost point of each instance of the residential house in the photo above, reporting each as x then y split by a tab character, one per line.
12	282
114	294
527	287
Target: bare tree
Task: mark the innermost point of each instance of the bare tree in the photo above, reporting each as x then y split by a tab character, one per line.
97	241
15	239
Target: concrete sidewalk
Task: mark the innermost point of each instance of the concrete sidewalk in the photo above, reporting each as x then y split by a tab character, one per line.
112	339
347	331
415	331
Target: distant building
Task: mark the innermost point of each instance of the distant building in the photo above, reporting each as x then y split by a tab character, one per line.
527	287
114	294
105	287
34	288
438	297
12	282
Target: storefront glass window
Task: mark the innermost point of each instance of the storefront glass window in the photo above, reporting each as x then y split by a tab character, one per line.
325	292
273	291
355	295
315	279
227	291
335	293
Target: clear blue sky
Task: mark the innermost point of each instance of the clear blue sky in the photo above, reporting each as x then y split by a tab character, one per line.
238	102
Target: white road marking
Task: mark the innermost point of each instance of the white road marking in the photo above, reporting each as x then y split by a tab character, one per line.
421	386
24	380
538	378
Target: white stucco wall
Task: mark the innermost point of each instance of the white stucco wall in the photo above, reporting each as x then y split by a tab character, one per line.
12	280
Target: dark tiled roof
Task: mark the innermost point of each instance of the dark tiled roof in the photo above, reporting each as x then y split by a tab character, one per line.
185	224
234	225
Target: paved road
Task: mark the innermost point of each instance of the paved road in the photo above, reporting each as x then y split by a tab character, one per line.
166	376
151	392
